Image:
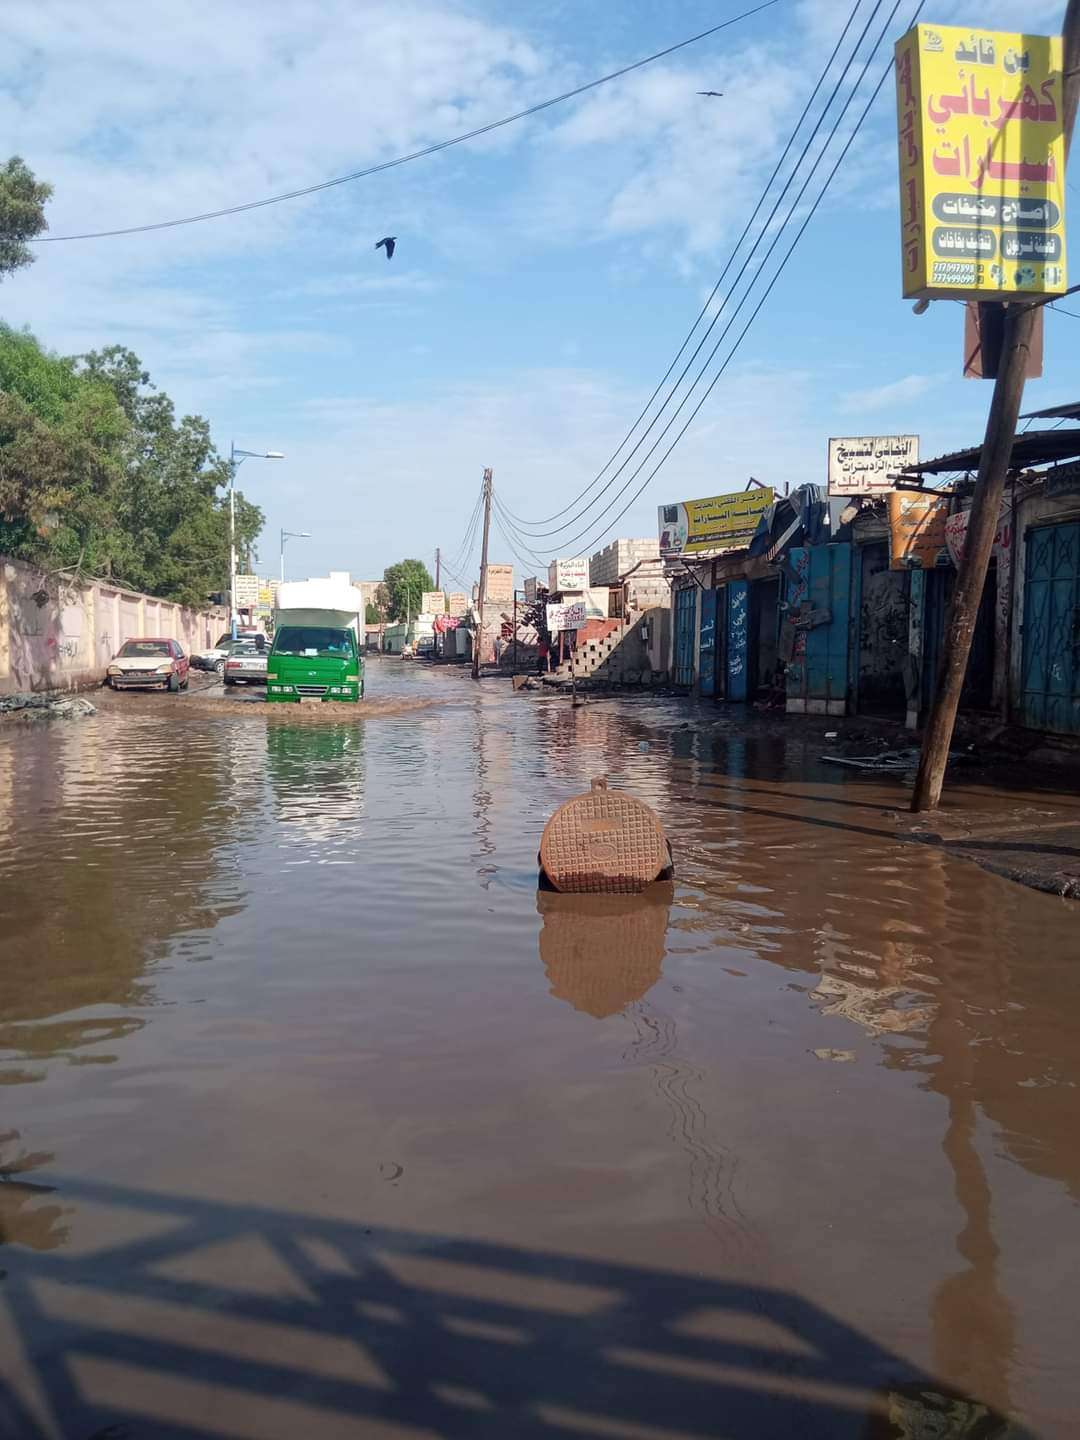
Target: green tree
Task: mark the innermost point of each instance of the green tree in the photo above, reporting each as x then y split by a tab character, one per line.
173	503
62	441
372	615
22	213
97	474
405	582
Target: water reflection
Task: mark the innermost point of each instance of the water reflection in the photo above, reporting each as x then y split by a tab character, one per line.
111	851
603	952
24	1219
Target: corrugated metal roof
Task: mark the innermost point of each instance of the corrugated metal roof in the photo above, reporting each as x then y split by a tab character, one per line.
1036	447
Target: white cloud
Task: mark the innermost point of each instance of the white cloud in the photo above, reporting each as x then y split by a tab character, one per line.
895	393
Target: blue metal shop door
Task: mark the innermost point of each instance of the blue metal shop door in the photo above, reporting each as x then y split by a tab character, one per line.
820	606
685	608
738	634
1050	686
707	650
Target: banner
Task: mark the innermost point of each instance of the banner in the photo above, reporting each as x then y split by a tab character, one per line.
432	602
566	617
530	590
982	163
713	524
917	530
863	465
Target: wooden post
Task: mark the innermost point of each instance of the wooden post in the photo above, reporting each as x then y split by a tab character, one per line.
438	568
989	490
483	575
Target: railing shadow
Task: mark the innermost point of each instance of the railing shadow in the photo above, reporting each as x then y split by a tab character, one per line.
207	1319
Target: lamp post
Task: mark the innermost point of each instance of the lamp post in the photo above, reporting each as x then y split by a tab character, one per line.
291	535
236	458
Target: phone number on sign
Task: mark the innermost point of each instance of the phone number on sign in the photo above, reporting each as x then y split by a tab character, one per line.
955	272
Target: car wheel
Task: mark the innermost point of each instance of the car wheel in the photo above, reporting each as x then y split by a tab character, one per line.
219	667
174	683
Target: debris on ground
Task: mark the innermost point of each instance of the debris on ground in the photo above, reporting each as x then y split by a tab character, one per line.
840	1057
63	707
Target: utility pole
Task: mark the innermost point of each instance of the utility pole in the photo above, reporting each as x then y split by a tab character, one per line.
438	569
1019	322
483	575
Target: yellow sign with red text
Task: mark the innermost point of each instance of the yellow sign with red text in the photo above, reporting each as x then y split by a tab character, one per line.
982	163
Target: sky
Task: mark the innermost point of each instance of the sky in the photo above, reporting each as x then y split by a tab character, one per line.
545	275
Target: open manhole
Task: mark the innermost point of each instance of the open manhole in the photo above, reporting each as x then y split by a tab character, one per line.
603	843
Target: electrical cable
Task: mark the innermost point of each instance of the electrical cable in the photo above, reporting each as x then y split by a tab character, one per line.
413	155
526	565
791	249
521	539
470	532
731	260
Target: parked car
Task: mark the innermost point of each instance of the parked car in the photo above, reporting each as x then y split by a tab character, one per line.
245	662
215	657
149	664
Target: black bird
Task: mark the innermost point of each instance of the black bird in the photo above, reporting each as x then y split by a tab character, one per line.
719	94
389	241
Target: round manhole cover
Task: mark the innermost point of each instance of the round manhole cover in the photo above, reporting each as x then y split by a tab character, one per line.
603	842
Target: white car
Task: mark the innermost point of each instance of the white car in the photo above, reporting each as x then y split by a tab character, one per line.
246	661
214	658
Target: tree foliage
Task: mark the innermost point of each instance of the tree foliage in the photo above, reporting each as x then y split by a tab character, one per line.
97	474
405	582
22	213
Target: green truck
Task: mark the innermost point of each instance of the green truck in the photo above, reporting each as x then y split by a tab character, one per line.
316	654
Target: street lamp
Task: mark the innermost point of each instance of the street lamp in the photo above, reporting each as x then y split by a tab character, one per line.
237	457
291	535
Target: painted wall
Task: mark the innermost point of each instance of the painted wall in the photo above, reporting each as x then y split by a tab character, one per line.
62	637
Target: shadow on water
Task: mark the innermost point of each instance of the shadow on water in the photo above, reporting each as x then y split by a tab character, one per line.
210	1319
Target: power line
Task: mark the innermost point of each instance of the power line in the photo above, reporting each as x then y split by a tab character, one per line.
791	249
705	308
470	532
522	540
1073	314
525	564
413	155
571	544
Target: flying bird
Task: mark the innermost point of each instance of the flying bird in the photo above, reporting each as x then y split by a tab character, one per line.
389	241
718	94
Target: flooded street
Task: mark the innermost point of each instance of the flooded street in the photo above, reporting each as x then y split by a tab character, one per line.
320	1120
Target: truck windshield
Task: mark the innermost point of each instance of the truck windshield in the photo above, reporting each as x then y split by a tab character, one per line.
312	640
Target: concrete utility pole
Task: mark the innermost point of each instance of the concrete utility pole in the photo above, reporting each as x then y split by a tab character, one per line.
438	569
483	575
989	490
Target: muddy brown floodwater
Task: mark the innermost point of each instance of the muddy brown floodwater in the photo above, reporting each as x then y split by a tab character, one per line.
319	1121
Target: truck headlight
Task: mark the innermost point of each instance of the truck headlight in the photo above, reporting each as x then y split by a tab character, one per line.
115	670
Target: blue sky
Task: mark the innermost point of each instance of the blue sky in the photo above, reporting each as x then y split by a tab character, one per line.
545	275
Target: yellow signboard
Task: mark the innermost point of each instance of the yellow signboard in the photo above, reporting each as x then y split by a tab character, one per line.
722	520
917	530
982	163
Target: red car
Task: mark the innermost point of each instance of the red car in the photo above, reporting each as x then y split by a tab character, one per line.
148	665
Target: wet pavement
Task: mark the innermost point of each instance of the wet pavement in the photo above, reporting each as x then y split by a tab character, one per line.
319	1120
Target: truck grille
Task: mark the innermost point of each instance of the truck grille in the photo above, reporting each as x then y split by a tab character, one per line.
311	689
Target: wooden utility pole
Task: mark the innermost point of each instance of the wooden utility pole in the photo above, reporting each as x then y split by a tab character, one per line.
483	575
1019	322
438	568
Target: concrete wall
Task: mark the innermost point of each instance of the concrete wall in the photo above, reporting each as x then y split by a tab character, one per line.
614	560
62	637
